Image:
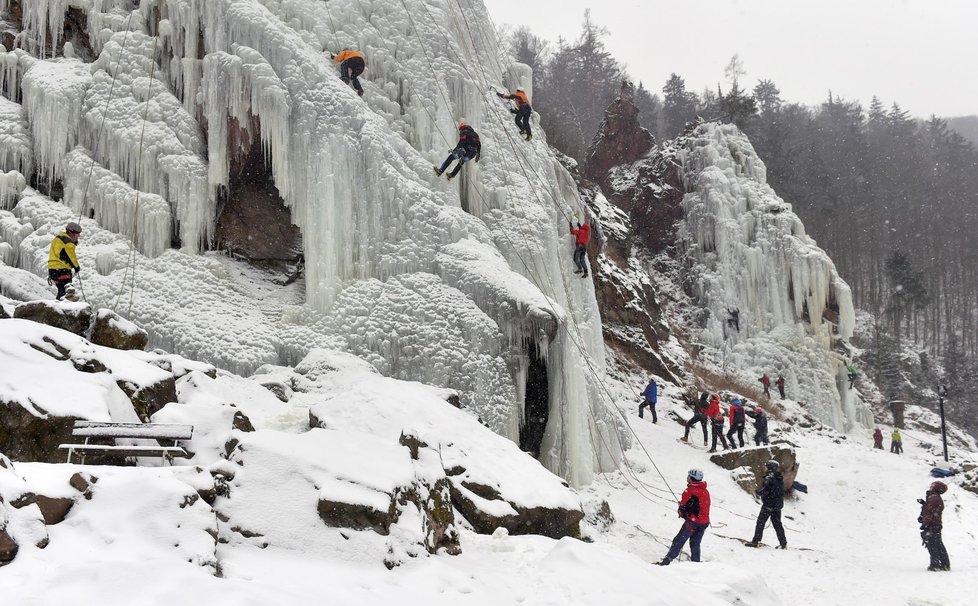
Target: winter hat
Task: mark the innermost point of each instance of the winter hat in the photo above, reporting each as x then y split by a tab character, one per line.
935	487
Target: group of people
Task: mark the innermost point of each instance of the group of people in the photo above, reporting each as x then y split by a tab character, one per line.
707	409
896	440
766	382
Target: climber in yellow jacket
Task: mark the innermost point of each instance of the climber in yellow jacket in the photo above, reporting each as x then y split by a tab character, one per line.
62	260
352	63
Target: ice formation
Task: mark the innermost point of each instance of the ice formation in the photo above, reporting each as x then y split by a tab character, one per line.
457	284
752	257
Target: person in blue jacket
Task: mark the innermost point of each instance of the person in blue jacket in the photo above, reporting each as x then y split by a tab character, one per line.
651	394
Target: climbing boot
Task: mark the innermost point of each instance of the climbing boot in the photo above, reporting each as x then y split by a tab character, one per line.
752	544
437	170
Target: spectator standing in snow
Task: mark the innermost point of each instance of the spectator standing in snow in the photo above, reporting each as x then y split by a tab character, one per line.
352	64
62	261
522	111
766	382
760	425
772	501
651	398
582	233
896	441
468	148
780	384
737	422
716	423
694	509
878	439
699	416
931	525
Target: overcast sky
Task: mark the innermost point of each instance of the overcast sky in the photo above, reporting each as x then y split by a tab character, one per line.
922	54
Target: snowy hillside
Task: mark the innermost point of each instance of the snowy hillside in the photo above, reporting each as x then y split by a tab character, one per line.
147	120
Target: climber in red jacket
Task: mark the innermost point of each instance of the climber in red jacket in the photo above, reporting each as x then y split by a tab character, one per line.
694	508
581	236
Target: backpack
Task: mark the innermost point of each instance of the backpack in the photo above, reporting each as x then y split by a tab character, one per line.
738	414
691	508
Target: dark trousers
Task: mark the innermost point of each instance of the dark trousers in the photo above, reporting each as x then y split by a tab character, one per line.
878	445
739	430
349	70
718	433
767	390
694	534
697	418
580	253
61	279
523	119
781	391
896	447
457	154
852	380
651	407
775	517
935	547
760	436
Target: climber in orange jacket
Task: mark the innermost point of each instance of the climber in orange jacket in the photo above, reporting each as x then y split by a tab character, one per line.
581	236
522	111
352	63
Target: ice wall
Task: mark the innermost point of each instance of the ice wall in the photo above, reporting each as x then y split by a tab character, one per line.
447	283
750	254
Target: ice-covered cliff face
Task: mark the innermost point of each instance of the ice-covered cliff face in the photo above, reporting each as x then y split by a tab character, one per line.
774	300
466	284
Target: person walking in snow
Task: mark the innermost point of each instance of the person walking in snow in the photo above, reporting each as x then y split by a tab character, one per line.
716	424
931	525
468	148
896	441
853	374
522	111
581	236
699	416
62	261
352	63
772	501
878	439
694	509
780	384
738	420
766	382
760	425
651	397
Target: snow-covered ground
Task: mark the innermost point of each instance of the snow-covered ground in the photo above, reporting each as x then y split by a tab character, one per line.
852	538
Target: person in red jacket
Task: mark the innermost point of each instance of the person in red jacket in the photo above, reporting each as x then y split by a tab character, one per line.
694	509
931	524
352	64
766	382
780	384
581	236
878	439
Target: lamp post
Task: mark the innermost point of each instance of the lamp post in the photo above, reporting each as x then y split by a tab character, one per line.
941	395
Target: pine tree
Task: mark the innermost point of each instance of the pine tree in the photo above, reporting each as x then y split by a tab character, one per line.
678	106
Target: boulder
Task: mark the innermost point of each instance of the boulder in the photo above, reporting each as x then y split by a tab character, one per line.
149	399
8	547
241	422
54	509
756	460
25	437
73	317
112	330
357	516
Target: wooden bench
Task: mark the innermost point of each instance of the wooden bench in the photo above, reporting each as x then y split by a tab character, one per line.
142	431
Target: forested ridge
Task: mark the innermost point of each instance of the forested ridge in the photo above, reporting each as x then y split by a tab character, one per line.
891	197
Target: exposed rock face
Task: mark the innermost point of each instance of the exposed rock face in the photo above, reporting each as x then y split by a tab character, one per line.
756	459
73	317
356	516
620	139
150	399
111	330
25	437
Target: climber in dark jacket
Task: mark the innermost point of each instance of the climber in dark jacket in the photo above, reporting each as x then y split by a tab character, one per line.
772	501
760	425
522	111
699	416
737	422
931	524
651	395
468	148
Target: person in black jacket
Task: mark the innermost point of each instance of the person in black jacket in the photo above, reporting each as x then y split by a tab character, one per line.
468	148
760	425
772	501
699	415
931	524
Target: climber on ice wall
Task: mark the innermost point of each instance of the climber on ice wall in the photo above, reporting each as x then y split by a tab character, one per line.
522	111
352	64
581	236
468	148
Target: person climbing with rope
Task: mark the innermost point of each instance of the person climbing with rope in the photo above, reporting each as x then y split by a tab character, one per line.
522	110
62	261
582	233
468	148
352	63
